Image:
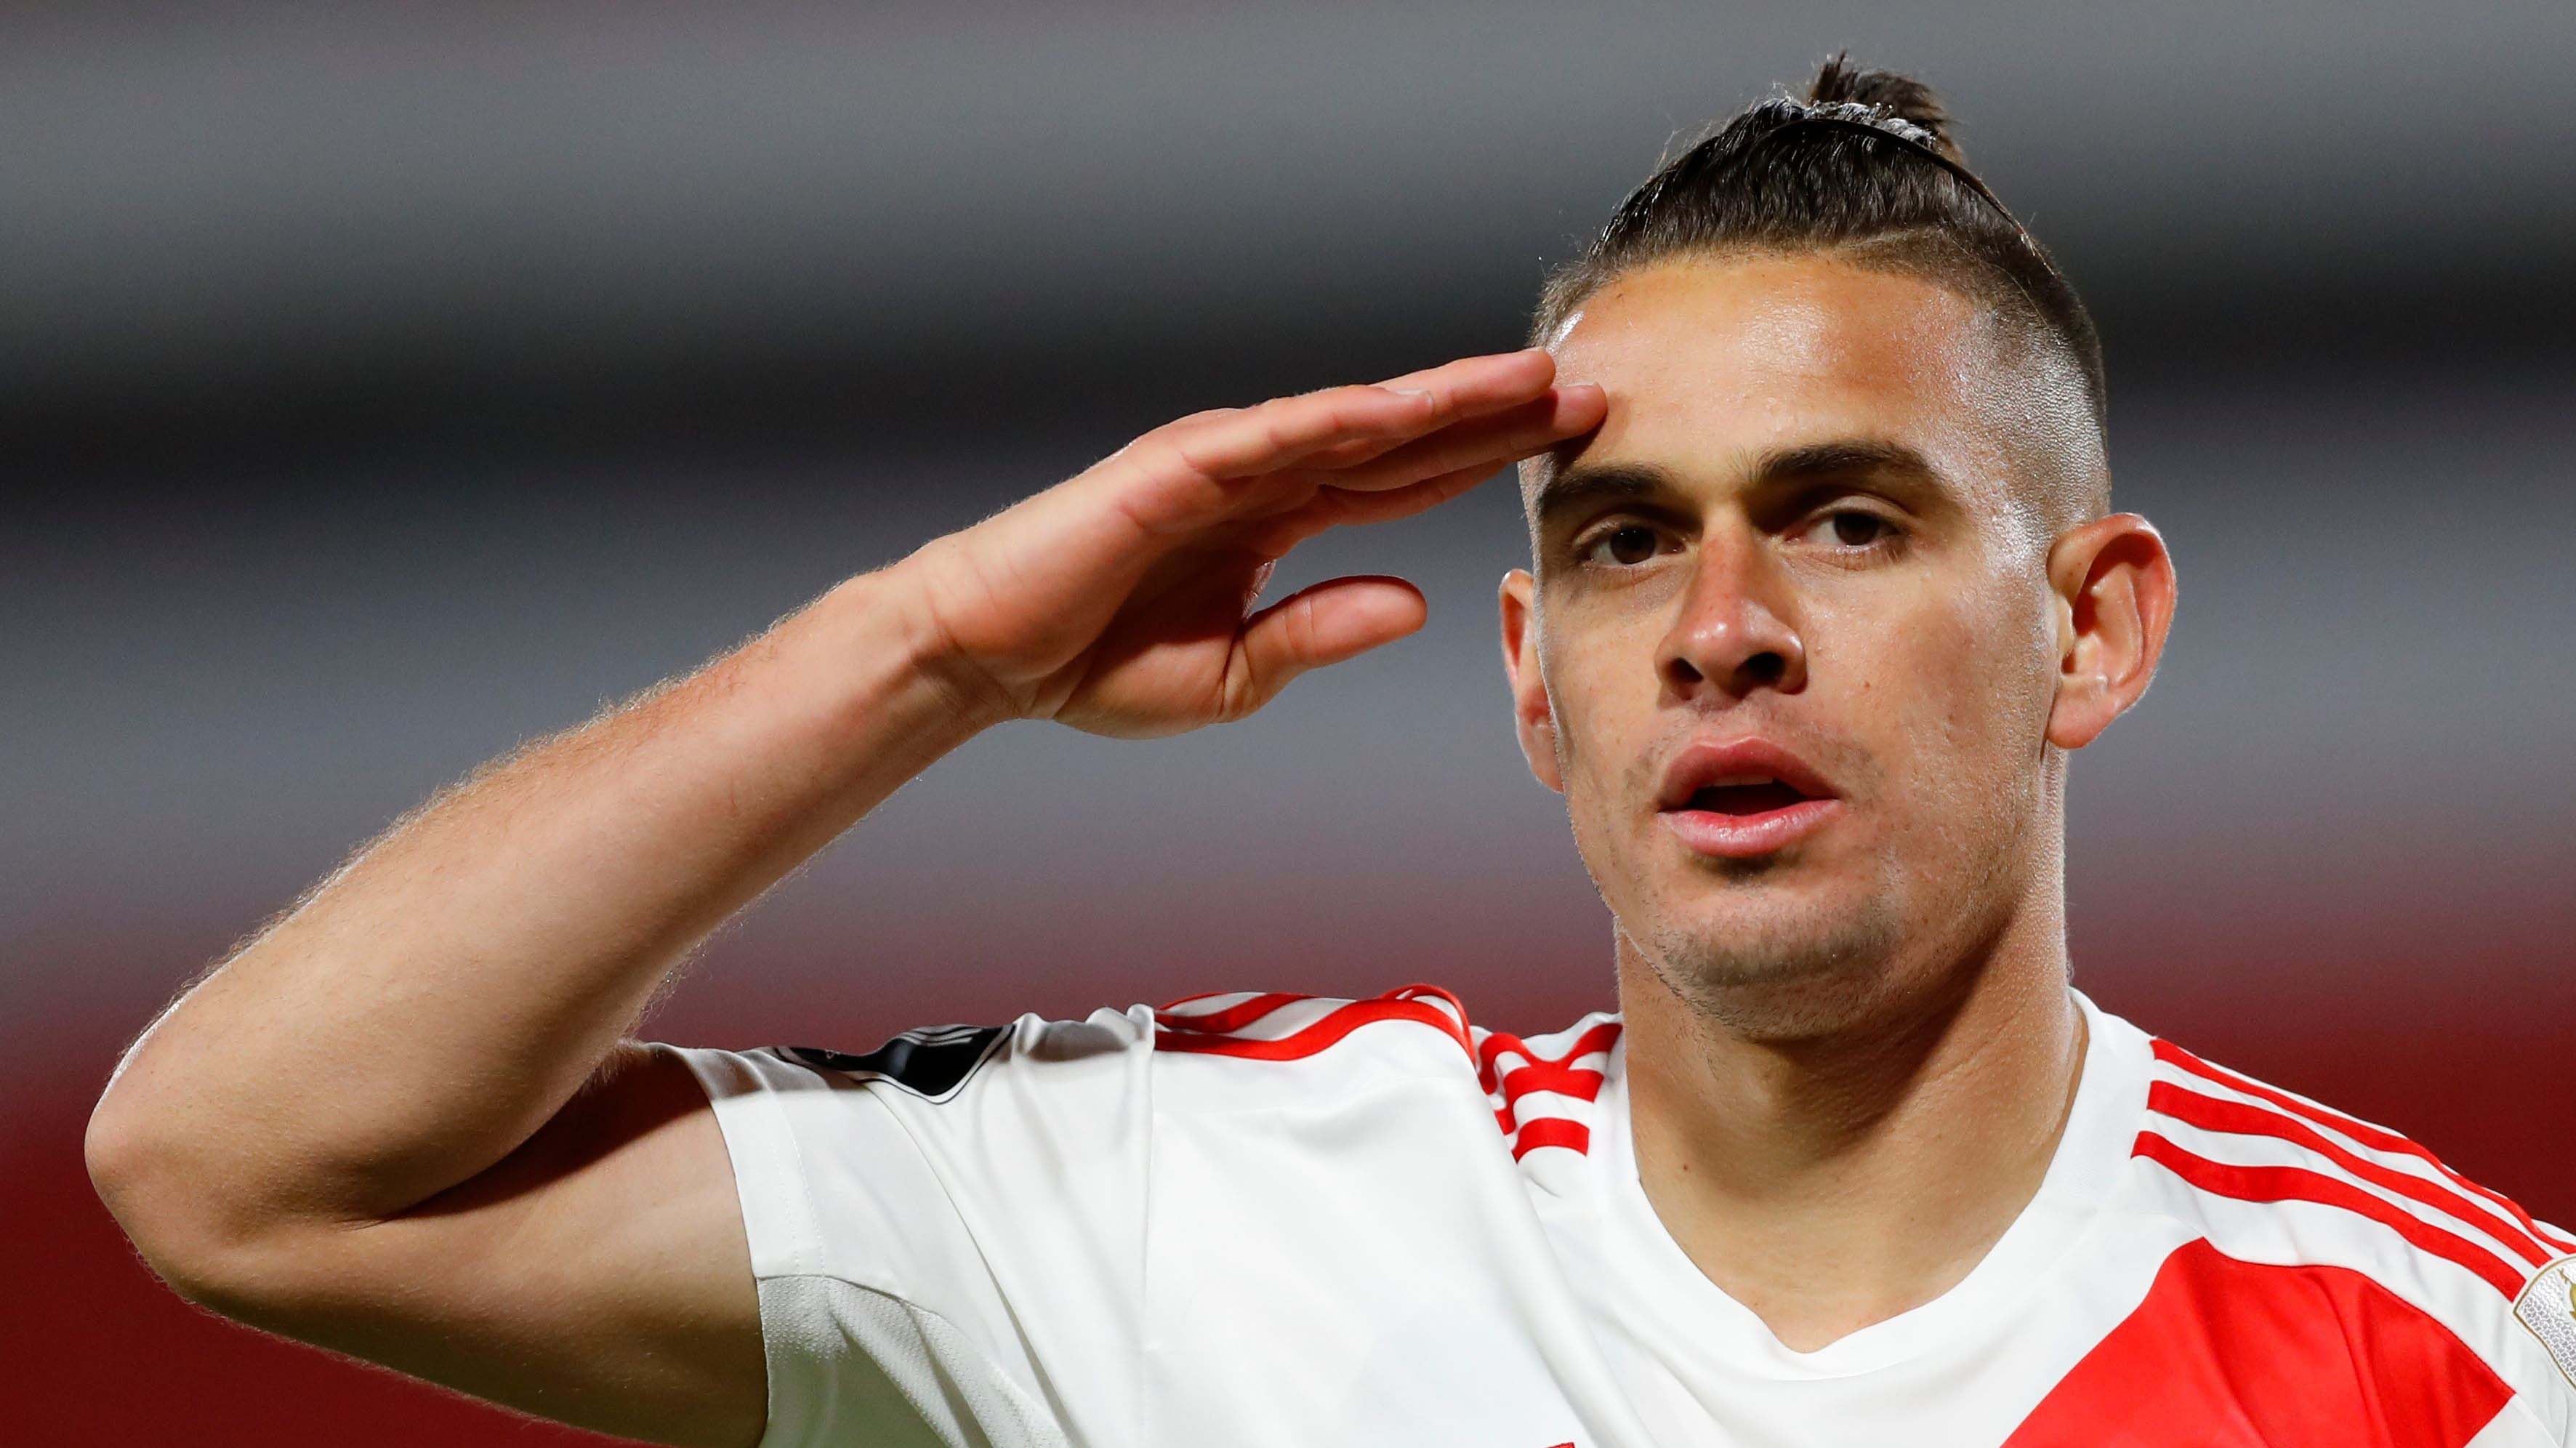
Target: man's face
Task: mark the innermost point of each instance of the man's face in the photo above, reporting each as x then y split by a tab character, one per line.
1806	522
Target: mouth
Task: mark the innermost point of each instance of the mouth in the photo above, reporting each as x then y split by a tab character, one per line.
1743	799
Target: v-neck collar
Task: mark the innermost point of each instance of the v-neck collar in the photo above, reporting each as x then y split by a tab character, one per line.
1656	1274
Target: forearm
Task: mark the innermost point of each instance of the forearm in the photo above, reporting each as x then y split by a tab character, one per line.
435	1002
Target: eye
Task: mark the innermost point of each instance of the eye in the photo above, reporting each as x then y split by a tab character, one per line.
1629	544
1857	529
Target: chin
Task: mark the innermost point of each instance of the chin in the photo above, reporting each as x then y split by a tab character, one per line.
1779	969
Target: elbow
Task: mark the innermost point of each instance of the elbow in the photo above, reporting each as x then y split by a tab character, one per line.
136	1192
169	1218
113	1149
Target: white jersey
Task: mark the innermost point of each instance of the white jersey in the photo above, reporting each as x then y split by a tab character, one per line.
1284	1220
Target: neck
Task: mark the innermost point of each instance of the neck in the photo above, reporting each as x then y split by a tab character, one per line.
1836	1179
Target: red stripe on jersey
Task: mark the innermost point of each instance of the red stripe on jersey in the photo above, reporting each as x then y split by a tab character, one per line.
1234	1017
1550	1131
2359	1130
1565	1081
1313	1037
1212	1033
1420	991
2239	1118
1496	1043
1205	995
2234	1354
1542	1073
1555	1076
2297	1184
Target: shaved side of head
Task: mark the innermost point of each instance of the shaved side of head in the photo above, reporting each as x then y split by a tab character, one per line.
1864	172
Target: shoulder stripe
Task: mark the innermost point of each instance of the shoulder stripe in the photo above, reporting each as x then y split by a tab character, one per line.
2239	1118
1228	1018
2368	1134
2297	1184
1551	1131
1280	1026
1185	1034
1543	1073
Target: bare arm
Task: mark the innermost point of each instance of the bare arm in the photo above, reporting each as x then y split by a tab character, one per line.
403	1122
439	1000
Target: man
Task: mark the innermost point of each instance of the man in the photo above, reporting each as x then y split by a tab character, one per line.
1823	590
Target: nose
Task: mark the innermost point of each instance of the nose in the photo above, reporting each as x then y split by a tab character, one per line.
1733	634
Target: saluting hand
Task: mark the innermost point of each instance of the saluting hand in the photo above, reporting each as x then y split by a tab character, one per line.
1119	601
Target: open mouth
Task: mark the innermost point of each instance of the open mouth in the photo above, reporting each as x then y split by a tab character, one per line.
1744	799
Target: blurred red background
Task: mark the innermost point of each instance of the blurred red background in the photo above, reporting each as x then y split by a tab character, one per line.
2433	1039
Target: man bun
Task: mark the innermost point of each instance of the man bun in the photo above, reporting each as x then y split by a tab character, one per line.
1842	83
1866	168
1863	170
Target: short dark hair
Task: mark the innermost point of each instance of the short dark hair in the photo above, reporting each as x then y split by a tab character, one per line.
1865	169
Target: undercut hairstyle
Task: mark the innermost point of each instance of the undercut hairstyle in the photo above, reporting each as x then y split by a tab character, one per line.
1863	170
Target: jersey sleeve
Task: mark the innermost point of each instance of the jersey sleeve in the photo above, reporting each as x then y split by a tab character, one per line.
946	1232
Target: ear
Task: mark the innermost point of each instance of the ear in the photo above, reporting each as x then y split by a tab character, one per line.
1533	717
2112	588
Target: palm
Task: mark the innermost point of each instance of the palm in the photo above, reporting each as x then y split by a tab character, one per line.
1166	663
1120	601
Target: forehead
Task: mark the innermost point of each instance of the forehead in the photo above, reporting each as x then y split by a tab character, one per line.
1711	363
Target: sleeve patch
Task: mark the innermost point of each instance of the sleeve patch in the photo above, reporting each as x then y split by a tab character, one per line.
932	1062
2548	1307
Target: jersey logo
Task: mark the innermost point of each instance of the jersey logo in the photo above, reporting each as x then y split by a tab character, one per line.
2548	1307
931	1063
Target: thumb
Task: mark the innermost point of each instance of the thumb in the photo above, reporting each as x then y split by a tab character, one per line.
1324	623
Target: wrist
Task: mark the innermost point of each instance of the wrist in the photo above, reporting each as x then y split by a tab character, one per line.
903	633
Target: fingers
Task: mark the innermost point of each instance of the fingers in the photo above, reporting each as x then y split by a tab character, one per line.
1389	504
1485	443
1286	431
1468	372
1468	393
1336	506
1315	626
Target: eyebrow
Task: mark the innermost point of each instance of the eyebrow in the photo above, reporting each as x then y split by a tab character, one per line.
1848	457
1587	484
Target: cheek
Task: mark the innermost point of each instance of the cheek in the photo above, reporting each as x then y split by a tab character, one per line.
1944	692
1602	686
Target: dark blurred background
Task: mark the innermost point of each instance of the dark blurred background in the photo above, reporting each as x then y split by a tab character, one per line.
381	386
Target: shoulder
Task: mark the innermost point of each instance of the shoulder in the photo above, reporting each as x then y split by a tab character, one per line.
2231	1140
937	1062
1020	1081
1272	1047
1282	1026
1209	1055
2370	1224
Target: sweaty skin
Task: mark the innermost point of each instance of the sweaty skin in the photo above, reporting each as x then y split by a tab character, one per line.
1850	1058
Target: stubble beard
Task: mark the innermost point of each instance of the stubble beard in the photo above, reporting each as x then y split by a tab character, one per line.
1746	950
1776	970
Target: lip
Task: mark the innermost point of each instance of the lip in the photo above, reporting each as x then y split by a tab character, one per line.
1743	836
